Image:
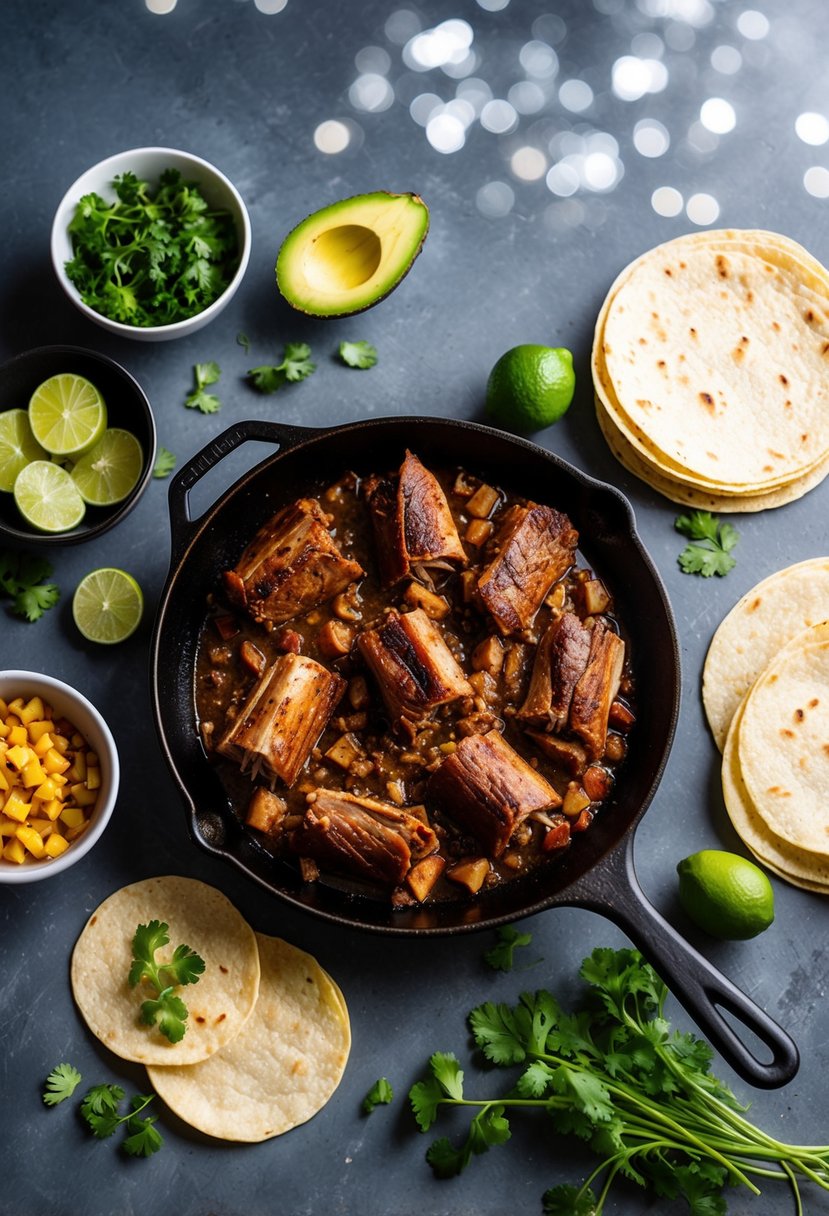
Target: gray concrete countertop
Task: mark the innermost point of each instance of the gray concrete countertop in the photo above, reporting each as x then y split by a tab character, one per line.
577	137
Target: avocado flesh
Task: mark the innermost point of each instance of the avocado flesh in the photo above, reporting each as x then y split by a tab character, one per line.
350	255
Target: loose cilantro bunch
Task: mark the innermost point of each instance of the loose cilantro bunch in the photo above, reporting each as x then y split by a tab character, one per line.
167	1011
711	544
22	580
295	366
615	1074
152	257
100	1110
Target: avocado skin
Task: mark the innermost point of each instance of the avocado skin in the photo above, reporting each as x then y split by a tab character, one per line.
349	211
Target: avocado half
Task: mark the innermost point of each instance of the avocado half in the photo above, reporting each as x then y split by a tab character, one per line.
350	255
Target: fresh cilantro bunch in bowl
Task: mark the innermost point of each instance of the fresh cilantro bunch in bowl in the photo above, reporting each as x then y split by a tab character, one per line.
151	243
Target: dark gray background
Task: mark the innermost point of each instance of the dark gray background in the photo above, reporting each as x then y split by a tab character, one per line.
82	79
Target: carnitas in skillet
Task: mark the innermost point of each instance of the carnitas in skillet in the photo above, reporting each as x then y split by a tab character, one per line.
293	564
535	547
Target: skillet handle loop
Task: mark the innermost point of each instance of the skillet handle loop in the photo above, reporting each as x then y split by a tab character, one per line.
703	990
182	524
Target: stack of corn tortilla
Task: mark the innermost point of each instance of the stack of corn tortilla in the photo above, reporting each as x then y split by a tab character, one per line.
711	370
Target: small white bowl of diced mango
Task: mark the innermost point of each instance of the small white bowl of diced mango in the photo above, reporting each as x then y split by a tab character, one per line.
58	776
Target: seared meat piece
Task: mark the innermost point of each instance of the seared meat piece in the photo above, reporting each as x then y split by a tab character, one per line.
596	689
291	565
412	523
283	717
565	752
362	836
536	546
489	789
560	662
415	669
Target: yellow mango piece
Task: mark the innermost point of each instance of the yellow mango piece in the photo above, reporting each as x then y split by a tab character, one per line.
16	807
55	845
19	755
78	770
47	790
4	708
78	740
38	728
15	852
16	705
33	774
52	808
17	736
74	833
72	816
54	761
43	827
8	827
4	781
43	743
93	778
4	730
82	795
32	710
59	780
30	839
61	744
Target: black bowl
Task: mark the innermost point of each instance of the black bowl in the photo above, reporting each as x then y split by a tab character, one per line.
127	407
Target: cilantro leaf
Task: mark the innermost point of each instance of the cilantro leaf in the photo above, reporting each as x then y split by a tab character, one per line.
205	374
147	939
165	462
501	956
61	1083
185	966
501	1032
99	1108
488	1128
447	1072
144	1139
168	1013
380	1094
709	552
244	341
425	1097
357	354
22	581
566	1200
295	366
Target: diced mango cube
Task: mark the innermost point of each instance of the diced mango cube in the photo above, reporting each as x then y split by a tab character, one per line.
8	827
43	827
43	744
31	840
38	728
16	807
16	705
4	781
47	790
52	808
4	730
72	816
31	711
54	761
19	755
55	845
78	770
59	780
4	708
17	736
61	744
74	833
82	795
14	851
33	774
77	740
93	778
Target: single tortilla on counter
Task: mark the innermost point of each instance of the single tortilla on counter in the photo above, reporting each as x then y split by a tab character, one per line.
798	866
697	340
767	617
783	743
283	1066
198	916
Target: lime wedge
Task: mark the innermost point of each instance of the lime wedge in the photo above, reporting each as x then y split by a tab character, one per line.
18	447
107	605
108	472
47	497
67	415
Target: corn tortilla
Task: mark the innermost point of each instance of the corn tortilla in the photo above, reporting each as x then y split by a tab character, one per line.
283	1066
768	616
198	916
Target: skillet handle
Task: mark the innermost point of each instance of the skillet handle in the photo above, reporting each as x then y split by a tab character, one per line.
613	891
182	524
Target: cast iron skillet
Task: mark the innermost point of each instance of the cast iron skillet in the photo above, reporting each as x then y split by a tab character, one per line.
597	872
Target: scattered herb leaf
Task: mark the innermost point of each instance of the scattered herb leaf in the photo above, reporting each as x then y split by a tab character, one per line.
99	1109
167	1011
380	1094
61	1084
22	578
618	1076
358	354
295	366
501	956
165	462
198	399
711	544
244	341
151	257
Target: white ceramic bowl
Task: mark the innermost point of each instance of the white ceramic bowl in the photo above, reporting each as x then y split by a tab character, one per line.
148	164
69	703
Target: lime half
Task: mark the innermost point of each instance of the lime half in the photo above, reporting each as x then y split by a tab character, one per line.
107	605
18	447
47	497
109	471
726	895
67	415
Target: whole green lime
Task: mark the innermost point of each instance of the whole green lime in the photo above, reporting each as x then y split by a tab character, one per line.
726	895
531	387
